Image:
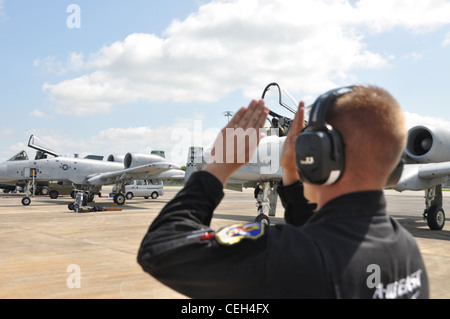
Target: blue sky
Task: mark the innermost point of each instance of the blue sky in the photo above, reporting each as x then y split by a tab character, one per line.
141	75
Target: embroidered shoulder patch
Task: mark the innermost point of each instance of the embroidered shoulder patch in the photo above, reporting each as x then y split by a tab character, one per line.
234	234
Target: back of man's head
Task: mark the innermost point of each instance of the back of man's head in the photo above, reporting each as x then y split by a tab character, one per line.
372	126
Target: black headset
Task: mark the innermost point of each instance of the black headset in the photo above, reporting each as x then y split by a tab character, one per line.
320	150
320	154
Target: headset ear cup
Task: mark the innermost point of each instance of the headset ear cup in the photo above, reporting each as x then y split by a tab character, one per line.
307	153
337	151
337	157
320	156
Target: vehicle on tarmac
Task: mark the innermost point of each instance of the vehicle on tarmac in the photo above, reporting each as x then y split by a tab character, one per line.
143	188
56	189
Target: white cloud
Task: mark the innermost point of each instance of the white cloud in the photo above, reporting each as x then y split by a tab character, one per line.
446	40
75	62
37	113
413	56
2	9
12	150
7	131
414	119
416	15
307	45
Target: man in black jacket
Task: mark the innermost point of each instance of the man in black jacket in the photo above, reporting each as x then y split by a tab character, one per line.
348	248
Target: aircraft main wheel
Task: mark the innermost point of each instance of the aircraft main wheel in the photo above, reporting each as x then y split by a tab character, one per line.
435	218
26	201
71	206
119	199
261	218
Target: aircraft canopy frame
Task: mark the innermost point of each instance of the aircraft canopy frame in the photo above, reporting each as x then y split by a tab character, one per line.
40	145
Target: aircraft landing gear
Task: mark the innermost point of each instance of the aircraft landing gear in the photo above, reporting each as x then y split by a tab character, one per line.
119	199
31	186
26	201
264	219
434	213
266	196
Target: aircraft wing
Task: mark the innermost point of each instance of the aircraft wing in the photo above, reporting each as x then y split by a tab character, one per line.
147	171
171	174
429	171
423	176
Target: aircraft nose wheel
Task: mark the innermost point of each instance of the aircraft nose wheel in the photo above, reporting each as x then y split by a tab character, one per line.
261	218
435	217
26	201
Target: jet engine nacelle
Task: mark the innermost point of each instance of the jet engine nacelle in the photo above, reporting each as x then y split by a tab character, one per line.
116	158
428	144
134	160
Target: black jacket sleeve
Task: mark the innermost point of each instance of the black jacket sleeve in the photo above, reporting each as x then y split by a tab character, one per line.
297	208
192	208
182	251
240	261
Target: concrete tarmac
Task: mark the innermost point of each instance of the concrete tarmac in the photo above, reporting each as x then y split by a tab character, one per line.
49	252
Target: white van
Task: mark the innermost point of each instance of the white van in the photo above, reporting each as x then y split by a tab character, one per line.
144	189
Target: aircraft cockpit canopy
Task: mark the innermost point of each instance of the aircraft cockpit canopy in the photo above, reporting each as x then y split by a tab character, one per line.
282	107
40	145
22	156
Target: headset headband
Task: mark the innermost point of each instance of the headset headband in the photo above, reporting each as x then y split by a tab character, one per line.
319	148
319	108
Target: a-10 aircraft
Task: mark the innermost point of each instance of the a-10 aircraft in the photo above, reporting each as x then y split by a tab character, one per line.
426	157
86	175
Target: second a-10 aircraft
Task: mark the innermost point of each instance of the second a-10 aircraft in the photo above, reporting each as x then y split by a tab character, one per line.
86	175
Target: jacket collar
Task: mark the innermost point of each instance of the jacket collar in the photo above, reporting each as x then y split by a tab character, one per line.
358	204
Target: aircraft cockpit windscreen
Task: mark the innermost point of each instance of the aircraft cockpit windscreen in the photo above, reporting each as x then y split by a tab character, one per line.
40	145
22	156
282	107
